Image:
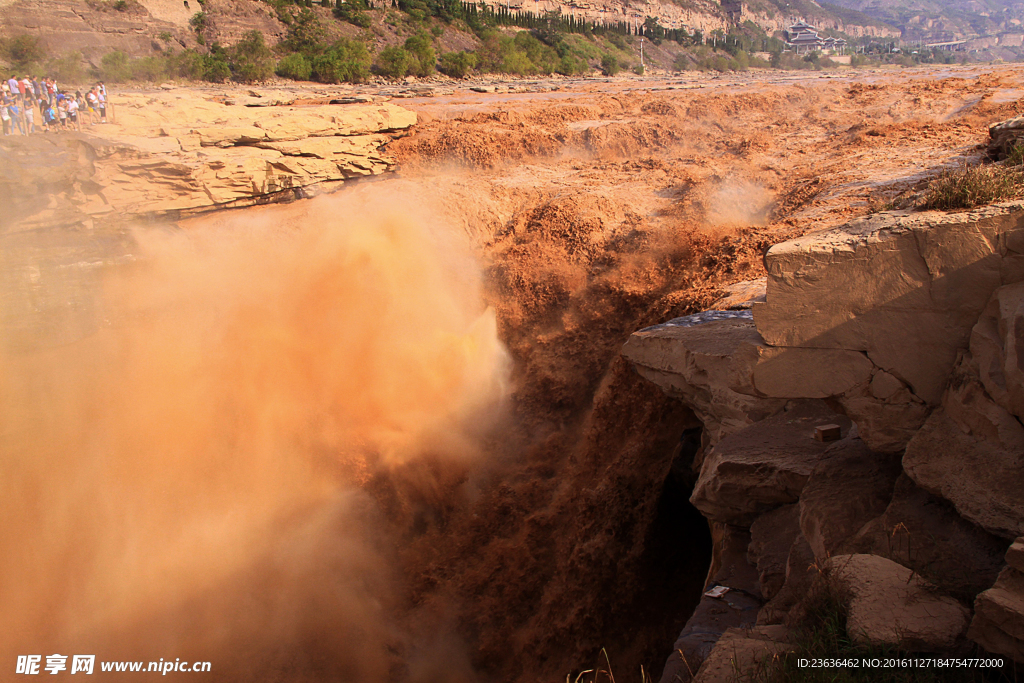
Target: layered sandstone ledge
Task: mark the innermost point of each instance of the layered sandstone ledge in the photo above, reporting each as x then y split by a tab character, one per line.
171	153
905	331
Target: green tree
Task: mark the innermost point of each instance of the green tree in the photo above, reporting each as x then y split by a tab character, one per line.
198	22
115	67
457	64
295	66
394	62
353	12
218	66
424	60
306	34
347	60
610	65
21	51
251	59
217	70
67	68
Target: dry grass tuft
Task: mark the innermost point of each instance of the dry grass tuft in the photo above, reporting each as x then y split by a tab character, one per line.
970	186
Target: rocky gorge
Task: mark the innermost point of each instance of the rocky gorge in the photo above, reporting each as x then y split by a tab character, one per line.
478	385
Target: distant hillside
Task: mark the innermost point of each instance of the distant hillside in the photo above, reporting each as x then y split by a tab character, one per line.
944	20
141	27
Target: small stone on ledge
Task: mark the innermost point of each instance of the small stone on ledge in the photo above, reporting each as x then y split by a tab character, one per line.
828	433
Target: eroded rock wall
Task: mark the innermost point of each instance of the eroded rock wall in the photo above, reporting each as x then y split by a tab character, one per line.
168	154
900	335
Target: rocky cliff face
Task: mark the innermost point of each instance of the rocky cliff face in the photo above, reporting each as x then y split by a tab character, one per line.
898	336
169	153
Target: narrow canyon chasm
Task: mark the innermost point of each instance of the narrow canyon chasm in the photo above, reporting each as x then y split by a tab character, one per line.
386	433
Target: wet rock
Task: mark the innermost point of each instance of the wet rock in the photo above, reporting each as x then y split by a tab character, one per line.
998	624
850	486
971	452
763	466
924	532
891	606
906	290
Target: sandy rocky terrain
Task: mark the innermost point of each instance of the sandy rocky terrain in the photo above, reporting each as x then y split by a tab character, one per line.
595	208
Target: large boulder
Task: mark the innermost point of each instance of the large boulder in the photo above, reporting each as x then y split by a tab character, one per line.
1005	136
971	452
886	411
904	289
998	624
891	606
763	466
740	651
850	486
925	533
707	360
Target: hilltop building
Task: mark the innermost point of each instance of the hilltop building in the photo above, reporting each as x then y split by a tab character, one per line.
803	38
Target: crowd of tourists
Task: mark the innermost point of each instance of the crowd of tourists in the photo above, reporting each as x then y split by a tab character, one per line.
30	105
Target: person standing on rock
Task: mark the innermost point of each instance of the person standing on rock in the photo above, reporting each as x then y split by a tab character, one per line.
49	118
29	110
5	116
102	101
15	112
62	113
94	105
105	101
73	113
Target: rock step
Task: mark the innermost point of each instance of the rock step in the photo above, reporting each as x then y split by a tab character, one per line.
998	624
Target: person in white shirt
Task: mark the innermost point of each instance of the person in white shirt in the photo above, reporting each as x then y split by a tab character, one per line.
106	100
102	101
94	105
73	113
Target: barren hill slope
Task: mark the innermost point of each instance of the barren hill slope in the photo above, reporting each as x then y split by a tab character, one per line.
138	27
941	20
